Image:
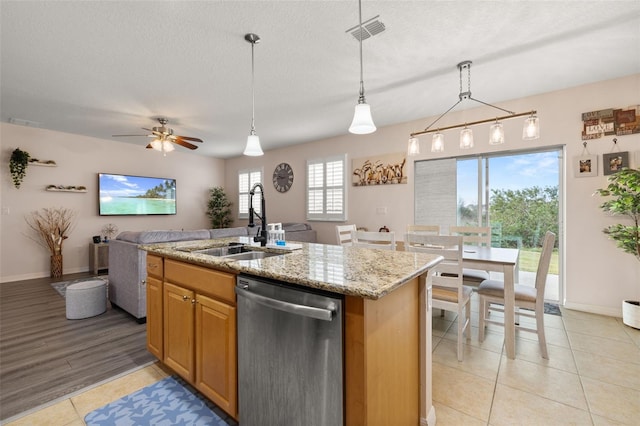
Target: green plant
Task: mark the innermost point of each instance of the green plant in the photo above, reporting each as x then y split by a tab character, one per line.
219	208
18	166
624	190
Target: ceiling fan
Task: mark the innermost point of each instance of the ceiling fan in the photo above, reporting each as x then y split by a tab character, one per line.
164	137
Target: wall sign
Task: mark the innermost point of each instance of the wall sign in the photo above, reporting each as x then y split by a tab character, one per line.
610	122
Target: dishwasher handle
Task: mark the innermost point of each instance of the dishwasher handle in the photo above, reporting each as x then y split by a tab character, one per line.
292	308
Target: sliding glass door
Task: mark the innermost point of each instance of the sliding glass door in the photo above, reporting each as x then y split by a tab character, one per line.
516	194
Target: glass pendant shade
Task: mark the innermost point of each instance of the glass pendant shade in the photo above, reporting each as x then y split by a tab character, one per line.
253	148
466	138
156	144
496	134
413	147
437	143
362	123
167	146
531	128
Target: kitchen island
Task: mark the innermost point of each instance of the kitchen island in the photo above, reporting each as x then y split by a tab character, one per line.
387	320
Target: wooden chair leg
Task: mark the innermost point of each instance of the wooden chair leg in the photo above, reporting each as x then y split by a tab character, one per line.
541	338
460	332
482	313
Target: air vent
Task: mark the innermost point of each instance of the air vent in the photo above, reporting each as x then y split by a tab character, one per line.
23	122
370	28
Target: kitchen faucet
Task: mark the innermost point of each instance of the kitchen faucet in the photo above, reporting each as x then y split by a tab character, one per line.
262	234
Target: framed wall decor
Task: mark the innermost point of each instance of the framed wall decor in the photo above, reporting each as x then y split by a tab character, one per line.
585	166
382	170
614	161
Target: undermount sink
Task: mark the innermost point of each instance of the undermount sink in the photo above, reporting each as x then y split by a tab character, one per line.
251	255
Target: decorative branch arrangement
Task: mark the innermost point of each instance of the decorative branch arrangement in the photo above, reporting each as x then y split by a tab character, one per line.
52	226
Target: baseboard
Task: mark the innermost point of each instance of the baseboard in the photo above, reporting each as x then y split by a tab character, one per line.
42	274
591	309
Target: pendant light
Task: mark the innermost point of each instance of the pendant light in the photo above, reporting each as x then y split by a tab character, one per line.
253	148
496	133
531	129
413	147
362	123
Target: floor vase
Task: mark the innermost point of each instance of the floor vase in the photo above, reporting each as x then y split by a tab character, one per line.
56	266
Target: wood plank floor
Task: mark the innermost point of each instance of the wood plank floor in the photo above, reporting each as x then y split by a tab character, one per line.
44	356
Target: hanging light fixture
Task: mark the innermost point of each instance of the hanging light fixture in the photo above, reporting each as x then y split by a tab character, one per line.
531	129
413	147
437	143
496	134
253	148
162	144
362	123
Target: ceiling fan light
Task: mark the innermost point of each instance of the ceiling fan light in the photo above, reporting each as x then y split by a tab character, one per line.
437	143
362	123
496	134
167	146
156	144
466	138
253	148
413	147
531	128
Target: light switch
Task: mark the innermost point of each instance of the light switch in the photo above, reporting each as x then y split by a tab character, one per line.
381	210
4	211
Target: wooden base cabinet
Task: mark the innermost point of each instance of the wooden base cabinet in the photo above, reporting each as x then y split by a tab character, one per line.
155	272
198	332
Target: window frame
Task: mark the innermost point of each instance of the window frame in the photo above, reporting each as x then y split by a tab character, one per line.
244	192
325	216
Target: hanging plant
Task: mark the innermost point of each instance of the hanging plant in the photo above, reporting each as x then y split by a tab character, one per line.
18	166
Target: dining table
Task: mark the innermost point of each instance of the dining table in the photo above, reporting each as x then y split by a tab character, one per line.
503	260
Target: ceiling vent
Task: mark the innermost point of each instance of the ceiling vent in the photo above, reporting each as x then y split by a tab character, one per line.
23	122
370	28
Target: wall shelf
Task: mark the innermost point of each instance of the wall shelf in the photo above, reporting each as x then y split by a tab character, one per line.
66	189
49	163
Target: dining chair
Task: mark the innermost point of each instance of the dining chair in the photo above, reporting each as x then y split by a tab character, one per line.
491	293
344	233
424	229
477	236
376	240
448	291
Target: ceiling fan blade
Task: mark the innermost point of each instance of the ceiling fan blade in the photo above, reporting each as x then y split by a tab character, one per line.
185	144
187	138
148	146
148	130
115	136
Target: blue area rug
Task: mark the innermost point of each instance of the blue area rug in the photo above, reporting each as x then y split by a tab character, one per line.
169	402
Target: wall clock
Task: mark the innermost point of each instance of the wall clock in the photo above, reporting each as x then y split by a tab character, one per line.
283	177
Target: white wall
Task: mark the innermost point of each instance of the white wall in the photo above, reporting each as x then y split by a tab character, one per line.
79	159
598	275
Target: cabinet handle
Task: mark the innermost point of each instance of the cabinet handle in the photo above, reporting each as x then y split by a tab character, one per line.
193	301
185	298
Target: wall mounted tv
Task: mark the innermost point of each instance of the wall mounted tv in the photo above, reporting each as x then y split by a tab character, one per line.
125	195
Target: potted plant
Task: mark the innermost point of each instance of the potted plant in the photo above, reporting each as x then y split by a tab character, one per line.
624	193
219	208
18	166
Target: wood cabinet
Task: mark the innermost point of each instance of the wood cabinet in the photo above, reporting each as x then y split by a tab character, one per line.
198	331
154	305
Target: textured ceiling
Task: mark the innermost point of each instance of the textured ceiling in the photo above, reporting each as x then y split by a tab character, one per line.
110	67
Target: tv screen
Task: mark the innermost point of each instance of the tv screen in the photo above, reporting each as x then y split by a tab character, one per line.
125	195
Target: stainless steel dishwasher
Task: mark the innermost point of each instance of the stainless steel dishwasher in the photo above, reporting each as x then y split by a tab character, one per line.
289	355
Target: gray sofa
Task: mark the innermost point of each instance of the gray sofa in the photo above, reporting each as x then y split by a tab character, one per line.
128	264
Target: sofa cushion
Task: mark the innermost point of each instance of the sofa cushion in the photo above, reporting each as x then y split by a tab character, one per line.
295	226
240	231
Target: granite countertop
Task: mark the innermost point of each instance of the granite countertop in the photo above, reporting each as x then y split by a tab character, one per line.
353	271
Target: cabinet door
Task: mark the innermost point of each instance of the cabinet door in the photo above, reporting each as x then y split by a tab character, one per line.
178	330
154	317
216	357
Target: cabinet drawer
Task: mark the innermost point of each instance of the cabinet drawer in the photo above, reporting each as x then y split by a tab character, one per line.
154	266
203	280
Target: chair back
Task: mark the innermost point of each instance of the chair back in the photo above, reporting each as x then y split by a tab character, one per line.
424	229
473	235
344	234
543	265
376	240
449	271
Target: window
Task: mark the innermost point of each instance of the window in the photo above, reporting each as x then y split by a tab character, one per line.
246	179
326	191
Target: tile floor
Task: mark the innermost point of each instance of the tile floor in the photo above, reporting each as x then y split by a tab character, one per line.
591	378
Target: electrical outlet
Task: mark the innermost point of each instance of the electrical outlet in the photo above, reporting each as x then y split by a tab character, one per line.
381	210
4	211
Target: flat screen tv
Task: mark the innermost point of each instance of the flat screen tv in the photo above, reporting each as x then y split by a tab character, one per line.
126	195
